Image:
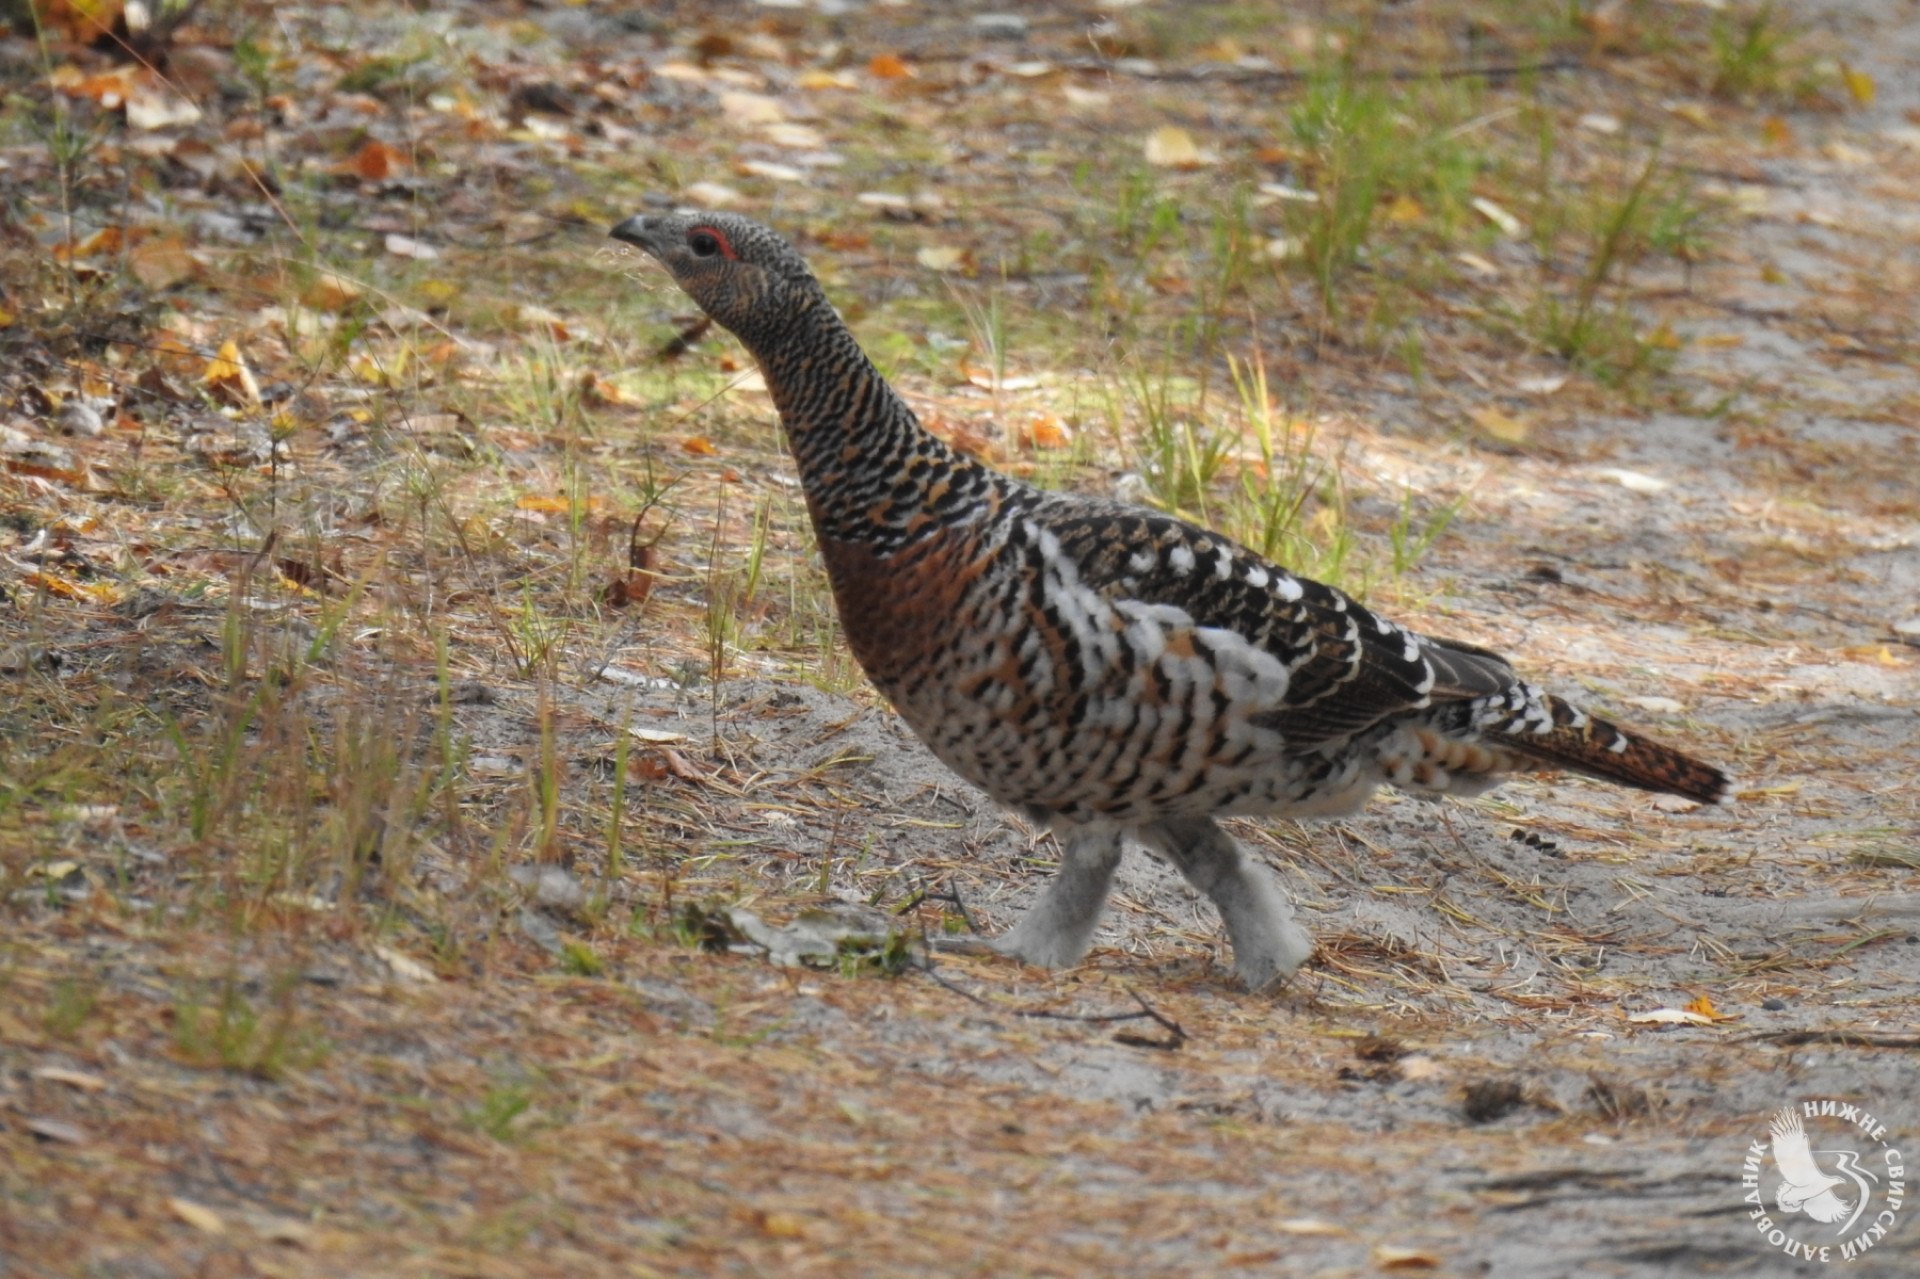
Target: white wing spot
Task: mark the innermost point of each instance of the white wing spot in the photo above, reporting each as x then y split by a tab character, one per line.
1140	561
1287	588
1257	578
1181	558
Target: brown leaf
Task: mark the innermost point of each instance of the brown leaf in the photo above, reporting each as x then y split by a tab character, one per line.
312	574
79	478
104	242
163	263
632	589
375	161
1045	430
887	66
699	446
598	390
110	89
331	292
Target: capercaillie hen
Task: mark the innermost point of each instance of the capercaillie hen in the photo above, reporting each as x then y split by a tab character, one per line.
1105	669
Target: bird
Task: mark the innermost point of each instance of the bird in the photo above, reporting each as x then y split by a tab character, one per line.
1108	671
1803	1187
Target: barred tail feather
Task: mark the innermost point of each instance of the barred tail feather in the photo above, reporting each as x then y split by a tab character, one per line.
1582	743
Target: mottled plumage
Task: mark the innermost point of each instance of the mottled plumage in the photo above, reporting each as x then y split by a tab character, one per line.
1109	670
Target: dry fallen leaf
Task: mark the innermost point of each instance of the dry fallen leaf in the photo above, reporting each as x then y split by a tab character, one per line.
751	110
1393	1257
403	966
405	246
150	108
375	161
331	292
1859	84
57	1130
1502	426
533	316
1046	431
228	378
162	263
1420	1067
72	1078
199	1216
771	172
1634	481
1670	1017
599	390
1509	225
712	195
1172	147
1311	1226
887	66
818	78
1703	1005
986	380
107	240
939	257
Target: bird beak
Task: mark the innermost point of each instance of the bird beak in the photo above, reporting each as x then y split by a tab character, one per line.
642	233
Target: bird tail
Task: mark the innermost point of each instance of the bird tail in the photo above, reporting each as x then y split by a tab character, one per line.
1571	739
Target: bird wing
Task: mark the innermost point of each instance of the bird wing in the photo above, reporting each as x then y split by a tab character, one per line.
1794	1157
1347	667
1826	1207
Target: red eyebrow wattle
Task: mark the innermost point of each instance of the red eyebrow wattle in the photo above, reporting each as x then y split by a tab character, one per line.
726	245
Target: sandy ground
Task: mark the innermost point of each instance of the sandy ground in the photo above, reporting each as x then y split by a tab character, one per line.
1456	1085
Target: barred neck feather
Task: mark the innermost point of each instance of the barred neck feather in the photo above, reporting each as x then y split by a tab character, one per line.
870	471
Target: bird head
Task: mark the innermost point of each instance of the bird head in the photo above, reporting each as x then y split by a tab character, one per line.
742	274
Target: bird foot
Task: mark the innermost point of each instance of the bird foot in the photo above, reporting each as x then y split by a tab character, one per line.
1041	953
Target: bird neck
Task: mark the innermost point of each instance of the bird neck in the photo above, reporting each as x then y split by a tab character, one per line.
871	473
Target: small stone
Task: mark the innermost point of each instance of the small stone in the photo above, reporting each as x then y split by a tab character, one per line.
77	417
1774	1005
549	886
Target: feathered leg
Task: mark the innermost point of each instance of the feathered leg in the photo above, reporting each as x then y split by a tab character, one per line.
1057	930
1267	945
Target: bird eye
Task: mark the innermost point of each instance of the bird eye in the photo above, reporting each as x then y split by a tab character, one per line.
703	243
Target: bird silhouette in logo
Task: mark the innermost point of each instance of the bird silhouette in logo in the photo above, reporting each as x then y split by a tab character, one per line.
1804	1187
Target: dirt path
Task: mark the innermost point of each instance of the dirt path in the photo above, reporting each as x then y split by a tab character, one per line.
1488	1069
